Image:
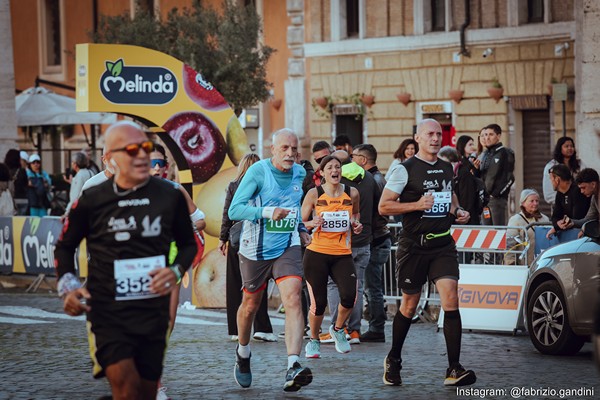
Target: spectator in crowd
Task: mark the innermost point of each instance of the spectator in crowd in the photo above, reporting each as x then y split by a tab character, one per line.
515	238
79	165
38	189
448	154
18	172
92	166
407	149
229	245
469	188
320	150
365	155
570	202
7	205
342	142
588	182
564	153
101	176
497	173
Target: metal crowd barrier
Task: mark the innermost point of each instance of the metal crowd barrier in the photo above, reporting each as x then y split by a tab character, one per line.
476	244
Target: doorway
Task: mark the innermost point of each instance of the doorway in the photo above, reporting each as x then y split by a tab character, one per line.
537	150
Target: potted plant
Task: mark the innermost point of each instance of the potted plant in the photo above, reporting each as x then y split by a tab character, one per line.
367	99
496	91
322	106
403	98
456	95
276	103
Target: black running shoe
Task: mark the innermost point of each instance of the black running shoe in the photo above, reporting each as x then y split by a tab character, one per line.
458	376
296	377
391	371
241	371
370	336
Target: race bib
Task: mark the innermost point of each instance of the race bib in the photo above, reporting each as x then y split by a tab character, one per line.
338	221
132	277
441	205
286	225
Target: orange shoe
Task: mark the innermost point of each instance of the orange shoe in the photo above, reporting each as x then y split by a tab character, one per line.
354	337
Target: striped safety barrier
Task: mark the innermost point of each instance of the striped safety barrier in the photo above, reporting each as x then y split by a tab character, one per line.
467	238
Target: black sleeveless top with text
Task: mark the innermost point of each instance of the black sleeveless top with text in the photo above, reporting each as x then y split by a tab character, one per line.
436	179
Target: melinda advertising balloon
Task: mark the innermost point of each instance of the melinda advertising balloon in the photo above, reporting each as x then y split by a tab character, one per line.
189	115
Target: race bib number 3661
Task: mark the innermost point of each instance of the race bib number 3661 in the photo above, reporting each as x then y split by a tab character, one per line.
441	205
132	277
285	225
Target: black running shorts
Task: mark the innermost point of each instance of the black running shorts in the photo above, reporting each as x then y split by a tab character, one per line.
414	268
128	333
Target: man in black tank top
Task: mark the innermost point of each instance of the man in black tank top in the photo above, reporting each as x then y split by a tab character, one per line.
426	250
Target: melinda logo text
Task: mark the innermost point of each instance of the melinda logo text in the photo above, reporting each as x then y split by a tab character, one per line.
137	84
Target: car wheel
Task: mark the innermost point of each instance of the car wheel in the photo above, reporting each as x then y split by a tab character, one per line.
548	321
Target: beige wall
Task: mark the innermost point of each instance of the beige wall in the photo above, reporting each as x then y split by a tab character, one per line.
428	75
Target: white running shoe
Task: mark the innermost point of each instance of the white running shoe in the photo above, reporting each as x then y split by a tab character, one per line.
265	337
161	394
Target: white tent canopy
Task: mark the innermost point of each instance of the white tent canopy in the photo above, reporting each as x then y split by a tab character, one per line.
40	106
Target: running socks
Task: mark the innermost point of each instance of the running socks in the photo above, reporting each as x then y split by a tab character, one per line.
400	329
244	351
292	359
452	334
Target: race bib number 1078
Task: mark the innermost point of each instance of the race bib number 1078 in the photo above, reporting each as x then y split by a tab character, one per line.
132	277
285	225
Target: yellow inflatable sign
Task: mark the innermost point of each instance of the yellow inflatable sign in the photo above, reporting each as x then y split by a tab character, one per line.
189	115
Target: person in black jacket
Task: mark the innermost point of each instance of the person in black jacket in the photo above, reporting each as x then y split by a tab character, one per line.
570	202
466	187
497	173
230	232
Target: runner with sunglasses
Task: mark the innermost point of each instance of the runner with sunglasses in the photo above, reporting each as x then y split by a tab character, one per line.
129	222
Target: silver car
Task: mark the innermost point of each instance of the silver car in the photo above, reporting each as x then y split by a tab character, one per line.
561	292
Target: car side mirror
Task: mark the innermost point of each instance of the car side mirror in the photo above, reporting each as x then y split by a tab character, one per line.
591	229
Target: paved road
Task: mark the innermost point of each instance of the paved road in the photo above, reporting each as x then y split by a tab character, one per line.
44	355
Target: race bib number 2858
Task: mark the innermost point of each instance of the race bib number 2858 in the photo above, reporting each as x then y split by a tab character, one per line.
132	277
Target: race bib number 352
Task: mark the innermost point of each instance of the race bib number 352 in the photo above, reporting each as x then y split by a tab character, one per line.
132	277
441	205
285	225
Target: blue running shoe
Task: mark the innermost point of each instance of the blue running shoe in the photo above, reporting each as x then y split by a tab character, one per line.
241	371
339	337
296	377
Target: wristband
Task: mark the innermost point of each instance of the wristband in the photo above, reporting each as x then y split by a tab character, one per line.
197	216
176	268
67	283
268	212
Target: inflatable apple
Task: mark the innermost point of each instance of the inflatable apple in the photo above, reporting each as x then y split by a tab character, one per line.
209	280
237	141
201	91
211	200
200	141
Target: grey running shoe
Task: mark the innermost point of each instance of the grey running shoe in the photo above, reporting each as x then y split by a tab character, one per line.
241	371
458	376
391	371
339	337
296	377
313	349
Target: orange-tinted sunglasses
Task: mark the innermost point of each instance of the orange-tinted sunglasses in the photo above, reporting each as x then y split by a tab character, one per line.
134	148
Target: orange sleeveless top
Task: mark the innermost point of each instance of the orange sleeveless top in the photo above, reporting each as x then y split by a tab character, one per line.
333	236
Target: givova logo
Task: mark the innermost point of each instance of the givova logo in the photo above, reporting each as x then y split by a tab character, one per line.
137	85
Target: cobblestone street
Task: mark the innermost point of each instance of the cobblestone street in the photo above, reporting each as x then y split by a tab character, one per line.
44	355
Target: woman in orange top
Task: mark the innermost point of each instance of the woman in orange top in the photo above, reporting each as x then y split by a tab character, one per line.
334	208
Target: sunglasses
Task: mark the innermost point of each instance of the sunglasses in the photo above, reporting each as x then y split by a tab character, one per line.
36	162
356	155
318	160
157	161
134	148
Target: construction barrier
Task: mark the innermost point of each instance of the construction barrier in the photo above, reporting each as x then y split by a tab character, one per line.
490	292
